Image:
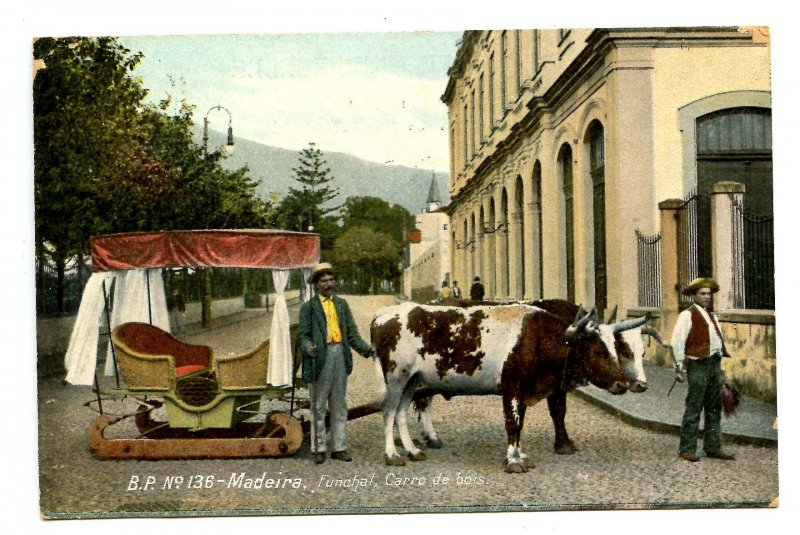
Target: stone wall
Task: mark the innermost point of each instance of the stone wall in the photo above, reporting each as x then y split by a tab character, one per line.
750	339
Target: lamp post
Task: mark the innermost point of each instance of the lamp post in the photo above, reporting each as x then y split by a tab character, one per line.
205	129
206	301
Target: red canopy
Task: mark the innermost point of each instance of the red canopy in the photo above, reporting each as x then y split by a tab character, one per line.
269	249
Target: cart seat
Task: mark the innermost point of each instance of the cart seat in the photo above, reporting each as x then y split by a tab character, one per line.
249	371
152	359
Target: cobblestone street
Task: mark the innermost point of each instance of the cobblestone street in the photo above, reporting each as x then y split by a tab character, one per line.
618	466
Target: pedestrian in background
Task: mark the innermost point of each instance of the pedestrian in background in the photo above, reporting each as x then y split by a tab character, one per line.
446	292
476	292
326	334
698	347
456	290
177	312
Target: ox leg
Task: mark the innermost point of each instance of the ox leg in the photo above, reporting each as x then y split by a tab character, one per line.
401	419
394	392
516	462
557	404
425	408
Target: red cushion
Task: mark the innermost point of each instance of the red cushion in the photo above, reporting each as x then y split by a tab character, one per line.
180	371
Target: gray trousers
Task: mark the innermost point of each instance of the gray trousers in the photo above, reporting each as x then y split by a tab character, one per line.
329	391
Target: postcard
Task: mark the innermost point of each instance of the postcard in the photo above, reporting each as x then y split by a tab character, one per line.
337	273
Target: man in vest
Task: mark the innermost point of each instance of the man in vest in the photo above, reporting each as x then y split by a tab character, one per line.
326	333
698	347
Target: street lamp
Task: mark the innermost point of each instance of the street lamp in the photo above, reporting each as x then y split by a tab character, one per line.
205	128
206	302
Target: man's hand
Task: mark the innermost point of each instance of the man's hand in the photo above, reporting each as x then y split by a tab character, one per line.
370	352
311	349
680	377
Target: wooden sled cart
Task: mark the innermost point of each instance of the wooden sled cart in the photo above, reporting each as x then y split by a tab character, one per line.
211	401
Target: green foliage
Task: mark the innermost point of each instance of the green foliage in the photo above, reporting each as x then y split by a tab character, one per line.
365	258
308	206
105	161
377	214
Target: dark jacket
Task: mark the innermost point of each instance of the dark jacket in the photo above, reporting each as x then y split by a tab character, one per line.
314	328
476	292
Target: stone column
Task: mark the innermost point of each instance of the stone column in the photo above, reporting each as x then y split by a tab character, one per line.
727	244
531	251
514	256
670	291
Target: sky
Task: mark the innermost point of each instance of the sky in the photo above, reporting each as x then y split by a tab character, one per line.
373	95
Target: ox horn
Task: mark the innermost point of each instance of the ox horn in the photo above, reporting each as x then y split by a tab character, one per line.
630	324
582	318
578	314
612	316
652	331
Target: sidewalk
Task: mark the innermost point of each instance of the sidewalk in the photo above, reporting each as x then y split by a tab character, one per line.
755	423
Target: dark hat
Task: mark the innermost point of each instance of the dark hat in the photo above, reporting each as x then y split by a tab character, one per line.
702	282
477	278
319	270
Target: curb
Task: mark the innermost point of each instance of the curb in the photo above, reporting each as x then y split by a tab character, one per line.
667	428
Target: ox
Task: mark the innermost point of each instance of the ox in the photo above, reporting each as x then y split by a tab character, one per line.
521	352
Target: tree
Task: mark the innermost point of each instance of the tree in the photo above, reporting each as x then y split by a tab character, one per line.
104	161
308	207
365	258
86	121
377	214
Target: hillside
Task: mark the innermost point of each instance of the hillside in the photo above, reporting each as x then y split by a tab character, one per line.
271	167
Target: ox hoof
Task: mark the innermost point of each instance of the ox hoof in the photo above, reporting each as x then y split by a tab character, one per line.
419	456
395	461
433	444
528	463
515	468
567	448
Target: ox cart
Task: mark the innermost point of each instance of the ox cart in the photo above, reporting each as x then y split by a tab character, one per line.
213	403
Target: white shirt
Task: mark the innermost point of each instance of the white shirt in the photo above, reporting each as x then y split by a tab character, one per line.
681	333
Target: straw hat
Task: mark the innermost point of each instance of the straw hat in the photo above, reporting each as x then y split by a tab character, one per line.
702	282
319	270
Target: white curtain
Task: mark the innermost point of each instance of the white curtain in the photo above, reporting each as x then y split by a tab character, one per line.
131	302
80	360
280	345
306	286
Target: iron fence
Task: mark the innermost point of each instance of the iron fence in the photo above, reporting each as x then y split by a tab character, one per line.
189	282
649	263
757	242
694	240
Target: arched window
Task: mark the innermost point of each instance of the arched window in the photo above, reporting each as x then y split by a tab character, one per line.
519	205
735	144
536	188
597	163
565	171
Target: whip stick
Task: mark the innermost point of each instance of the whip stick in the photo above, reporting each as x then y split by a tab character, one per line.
673	386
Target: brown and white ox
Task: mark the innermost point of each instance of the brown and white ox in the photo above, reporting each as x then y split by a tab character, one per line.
520	352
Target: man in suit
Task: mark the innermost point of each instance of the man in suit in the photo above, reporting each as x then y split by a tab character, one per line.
476	291
326	334
698	347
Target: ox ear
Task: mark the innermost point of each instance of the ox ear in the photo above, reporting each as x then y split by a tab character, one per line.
612	316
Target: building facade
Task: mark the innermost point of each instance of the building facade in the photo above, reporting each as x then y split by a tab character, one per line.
563	143
429	251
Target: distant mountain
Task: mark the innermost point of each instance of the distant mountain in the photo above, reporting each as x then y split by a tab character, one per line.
272	168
